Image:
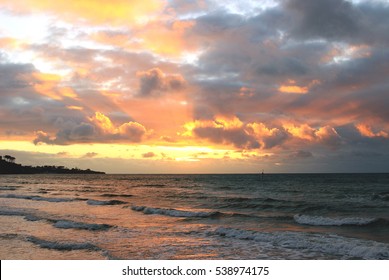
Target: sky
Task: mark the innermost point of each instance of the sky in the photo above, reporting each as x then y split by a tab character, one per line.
197	86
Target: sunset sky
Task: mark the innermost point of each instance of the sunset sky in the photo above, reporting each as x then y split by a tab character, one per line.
196	86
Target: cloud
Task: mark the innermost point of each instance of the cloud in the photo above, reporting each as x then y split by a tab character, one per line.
330	19
233	131
92	11
301	154
367	131
90	155
99	129
154	82
325	135
328	136
290	77
148	155
269	137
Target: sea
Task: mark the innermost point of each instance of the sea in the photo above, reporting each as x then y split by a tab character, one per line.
218	217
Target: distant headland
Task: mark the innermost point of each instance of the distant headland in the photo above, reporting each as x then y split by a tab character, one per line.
8	166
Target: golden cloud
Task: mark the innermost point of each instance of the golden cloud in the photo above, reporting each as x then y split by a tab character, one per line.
93	11
48	85
367	131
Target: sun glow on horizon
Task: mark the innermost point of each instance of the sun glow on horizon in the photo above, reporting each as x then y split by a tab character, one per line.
195	85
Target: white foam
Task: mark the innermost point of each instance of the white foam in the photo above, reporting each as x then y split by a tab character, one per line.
330	221
329	244
172	212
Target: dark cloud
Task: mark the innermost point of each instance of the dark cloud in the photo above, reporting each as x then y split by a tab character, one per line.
276	138
336	50
154	82
12	75
90	155
216	23
329	19
242	135
99	129
301	154
148	155
72	133
237	136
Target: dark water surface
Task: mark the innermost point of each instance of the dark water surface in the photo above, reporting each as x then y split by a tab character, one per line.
277	216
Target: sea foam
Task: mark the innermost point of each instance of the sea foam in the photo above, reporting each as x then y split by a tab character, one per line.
329	221
332	244
172	212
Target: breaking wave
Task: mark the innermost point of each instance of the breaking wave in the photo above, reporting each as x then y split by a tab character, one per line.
173	212
313	242
105	202
116	195
8	188
381	196
62	246
6	212
38	198
328	221
65	224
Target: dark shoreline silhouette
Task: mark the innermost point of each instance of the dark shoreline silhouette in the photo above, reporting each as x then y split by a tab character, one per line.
8	166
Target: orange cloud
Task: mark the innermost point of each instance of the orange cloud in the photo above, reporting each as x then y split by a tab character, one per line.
303	131
326	135
103	122
48	85
77	108
94	11
366	130
167	39
233	131
293	89
99	129
11	43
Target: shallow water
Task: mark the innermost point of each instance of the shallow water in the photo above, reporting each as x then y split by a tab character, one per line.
279	216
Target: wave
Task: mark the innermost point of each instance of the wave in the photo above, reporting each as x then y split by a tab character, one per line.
330	244
265	204
116	195
173	212
105	202
8	188
6	212
381	196
154	185
327	221
38	198
62	246
65	224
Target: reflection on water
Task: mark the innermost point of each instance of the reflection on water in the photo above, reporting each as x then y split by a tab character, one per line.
330	216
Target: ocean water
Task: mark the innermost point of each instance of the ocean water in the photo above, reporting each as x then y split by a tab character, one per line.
277	216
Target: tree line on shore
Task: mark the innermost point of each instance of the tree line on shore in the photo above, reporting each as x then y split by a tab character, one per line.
8	166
